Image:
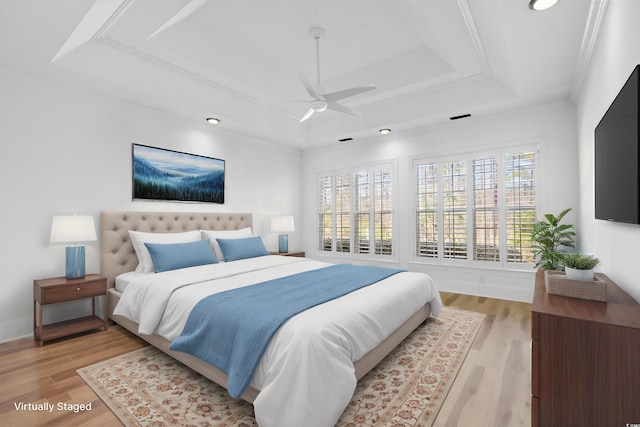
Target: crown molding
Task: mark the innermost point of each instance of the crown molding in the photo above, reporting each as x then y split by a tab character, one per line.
191	7
595	18
97	21
472	29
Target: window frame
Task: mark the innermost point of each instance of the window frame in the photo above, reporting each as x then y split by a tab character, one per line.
469	157
352	171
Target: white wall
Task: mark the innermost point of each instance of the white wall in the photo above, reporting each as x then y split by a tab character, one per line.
616	54
65	151
552	126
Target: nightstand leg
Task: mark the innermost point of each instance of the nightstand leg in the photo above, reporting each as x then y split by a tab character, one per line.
40	326
104	313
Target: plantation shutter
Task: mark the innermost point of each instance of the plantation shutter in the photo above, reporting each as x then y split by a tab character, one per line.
478	207
454	203
520	205
362	213
383	211
343	213
325	213
355	211
426	176
486	236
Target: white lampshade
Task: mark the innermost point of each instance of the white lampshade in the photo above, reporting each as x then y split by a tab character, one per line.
72	228
282	224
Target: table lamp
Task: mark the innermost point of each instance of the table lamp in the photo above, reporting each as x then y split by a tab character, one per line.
282	225
73	229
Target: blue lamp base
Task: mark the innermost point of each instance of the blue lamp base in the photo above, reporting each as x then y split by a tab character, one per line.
283	243
75	262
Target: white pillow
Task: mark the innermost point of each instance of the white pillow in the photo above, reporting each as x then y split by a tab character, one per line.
139	238
212	235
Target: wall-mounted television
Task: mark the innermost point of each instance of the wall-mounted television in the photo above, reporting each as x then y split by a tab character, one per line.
617	157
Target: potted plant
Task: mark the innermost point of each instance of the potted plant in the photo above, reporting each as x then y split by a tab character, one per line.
548	237
579	266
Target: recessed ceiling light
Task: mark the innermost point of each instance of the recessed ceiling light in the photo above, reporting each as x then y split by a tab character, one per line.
213	120
385	131
541	4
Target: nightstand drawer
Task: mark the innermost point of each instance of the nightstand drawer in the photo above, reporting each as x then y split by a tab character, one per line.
55	294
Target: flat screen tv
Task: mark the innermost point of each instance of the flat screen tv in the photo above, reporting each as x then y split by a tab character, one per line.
617	157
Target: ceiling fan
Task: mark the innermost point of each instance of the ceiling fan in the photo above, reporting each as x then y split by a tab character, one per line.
328	101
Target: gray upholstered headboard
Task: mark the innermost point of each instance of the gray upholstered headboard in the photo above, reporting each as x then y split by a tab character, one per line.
116	251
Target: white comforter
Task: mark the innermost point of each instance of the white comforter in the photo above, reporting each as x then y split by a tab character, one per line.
306	375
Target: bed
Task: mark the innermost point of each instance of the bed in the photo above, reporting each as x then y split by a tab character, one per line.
287	389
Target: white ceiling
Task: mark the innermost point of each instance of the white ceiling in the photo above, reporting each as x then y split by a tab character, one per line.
240	60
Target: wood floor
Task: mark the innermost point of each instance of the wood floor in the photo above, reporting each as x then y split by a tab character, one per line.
492	388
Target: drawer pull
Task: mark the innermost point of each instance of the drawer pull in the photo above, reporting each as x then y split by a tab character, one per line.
77	289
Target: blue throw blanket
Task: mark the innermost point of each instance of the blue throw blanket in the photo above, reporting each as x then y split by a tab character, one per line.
231	329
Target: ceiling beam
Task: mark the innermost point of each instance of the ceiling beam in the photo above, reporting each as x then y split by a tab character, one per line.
191	7
98	19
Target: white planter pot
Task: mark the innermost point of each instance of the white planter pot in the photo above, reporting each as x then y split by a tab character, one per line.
575	274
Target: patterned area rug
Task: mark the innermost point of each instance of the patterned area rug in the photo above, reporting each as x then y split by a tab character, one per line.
148	388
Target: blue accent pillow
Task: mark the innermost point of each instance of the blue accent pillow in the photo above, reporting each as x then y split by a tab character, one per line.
235	249
172	256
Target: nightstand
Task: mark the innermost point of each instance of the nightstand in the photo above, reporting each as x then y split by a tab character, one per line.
296	254
61	289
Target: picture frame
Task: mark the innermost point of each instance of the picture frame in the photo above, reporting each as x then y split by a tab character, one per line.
168	175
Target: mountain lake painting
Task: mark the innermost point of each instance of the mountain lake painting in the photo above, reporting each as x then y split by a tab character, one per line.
160	174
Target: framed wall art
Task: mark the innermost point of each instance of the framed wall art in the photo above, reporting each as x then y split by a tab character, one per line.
161	174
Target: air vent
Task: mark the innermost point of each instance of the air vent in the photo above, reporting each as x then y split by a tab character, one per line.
345	139
463	116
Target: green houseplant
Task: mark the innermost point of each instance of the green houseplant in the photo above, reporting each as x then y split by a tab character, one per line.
548	236
579	266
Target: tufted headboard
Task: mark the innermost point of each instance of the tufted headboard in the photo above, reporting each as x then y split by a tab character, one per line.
116	251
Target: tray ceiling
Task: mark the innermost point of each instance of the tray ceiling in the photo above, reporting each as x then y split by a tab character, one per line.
240	60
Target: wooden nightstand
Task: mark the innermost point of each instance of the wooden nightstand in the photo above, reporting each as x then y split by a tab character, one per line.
61	289
297	254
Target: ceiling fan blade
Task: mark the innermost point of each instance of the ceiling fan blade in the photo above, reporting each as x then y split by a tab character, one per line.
346	93
307	115
343	109
308	87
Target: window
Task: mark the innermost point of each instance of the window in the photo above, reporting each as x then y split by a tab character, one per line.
477	208
485	208
454	209
355	211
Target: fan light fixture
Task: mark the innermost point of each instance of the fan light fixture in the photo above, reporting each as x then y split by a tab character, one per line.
318	105
541	4
321	101
385	131
213	120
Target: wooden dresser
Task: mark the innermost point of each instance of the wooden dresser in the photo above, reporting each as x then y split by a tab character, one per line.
585	359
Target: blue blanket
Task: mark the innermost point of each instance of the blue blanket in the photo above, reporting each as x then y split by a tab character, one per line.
232	329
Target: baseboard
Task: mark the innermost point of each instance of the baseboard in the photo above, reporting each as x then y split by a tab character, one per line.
513	285
16	329
487	290
12	330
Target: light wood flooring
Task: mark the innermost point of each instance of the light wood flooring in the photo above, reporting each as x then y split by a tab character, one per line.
492	388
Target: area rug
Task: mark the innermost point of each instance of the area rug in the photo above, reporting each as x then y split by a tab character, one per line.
148	388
